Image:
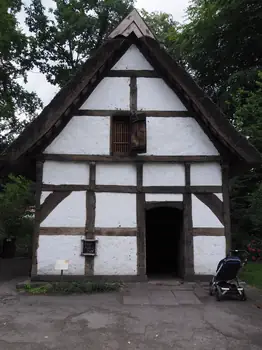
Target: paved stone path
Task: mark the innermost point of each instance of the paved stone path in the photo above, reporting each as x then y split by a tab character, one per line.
148	316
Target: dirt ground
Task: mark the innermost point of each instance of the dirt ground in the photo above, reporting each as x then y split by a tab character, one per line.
143	316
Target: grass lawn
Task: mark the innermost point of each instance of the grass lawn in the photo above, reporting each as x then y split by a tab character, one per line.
252	274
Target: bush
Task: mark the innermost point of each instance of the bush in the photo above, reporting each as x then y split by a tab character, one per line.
76	287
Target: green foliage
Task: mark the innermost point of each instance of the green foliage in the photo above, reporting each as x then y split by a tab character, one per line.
17	105
251	274
247	190
69	32
165	29
75	287
221	44
15	200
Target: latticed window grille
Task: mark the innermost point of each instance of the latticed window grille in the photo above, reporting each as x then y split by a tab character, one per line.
121	135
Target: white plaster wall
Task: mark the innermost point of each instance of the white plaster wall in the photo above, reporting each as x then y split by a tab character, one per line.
115	210
44	195
116	174
206	174
52	248
116	256
110	93
164	197
177	136
220	196
155	94
208	251
163	175
71	212
83	135
202	215
63	173
133	59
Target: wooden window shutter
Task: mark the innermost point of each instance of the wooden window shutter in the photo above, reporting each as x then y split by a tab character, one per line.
138	133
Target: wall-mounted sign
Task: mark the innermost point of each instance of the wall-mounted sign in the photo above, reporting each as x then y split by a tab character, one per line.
61	265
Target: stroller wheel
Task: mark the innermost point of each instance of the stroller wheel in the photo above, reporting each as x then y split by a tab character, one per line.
218	294
211	291
243	296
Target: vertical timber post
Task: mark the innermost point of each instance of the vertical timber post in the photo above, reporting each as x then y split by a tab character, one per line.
38	191
226	205
90	216
188	227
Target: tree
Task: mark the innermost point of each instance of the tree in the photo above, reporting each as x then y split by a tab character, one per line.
165	29
221	45
17	105
67	34
248	120
16	220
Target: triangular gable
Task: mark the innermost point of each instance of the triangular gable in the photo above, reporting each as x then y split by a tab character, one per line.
133	23
56	115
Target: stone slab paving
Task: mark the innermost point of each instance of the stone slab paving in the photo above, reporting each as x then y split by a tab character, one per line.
106	322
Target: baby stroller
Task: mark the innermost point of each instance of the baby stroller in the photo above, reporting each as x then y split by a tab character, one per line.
225	281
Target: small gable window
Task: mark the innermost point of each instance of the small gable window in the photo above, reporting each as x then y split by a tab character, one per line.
121	135
128	134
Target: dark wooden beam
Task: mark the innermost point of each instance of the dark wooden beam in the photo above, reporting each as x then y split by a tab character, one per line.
148	113
153	205
139	175
188	227
134	189
213	203
141	234
90	216
226	205
62	188
133	73
133	95
115	231
127	159
63	231
51	202
208	231
206	189
38	191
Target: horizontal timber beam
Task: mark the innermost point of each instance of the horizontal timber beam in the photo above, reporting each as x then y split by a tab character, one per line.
208	231
148	113
125	159
80	231
53	231
134	189
133	73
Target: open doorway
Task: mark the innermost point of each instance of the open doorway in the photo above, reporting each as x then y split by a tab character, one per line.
164	246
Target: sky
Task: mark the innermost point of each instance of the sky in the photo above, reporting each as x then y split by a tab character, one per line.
37	82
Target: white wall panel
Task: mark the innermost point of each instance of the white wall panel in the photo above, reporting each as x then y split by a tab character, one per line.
65	173
71	212
208	251
58	247
155	94
115	210
44	195
111	93
206	174
178	137
83	135
116	174
202	215
133	59
116	256
163	175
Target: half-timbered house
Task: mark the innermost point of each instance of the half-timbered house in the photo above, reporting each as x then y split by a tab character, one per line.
132	163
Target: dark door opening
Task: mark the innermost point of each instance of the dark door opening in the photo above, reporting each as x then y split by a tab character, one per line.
164	250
